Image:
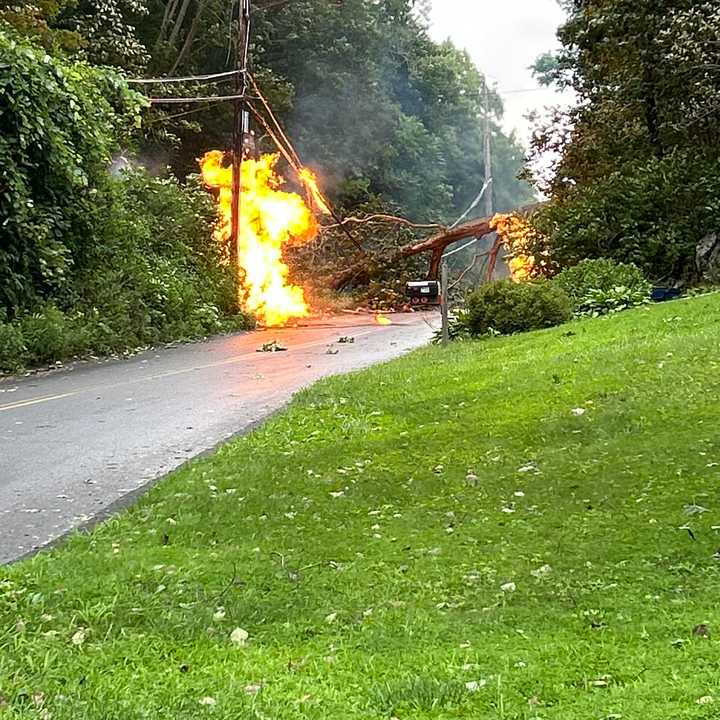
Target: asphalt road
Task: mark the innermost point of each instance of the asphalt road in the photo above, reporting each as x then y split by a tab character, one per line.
75	443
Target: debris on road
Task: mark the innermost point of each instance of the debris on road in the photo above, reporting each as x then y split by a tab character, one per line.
272	347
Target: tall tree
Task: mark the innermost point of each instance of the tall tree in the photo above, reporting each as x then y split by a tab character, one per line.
643	74
635	160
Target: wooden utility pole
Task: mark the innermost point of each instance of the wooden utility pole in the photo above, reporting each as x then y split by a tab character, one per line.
240	121
445	303
489	206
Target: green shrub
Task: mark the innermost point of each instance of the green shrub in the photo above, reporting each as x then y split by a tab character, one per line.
50	335
458	327
602	286
12	346
152	274
506	307
606	302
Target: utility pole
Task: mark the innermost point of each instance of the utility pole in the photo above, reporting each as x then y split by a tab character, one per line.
240	122
489	207
445	302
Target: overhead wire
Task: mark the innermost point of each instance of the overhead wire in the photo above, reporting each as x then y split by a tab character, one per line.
290	154
190	100
474	203
274	119
189	78
277	134
385	219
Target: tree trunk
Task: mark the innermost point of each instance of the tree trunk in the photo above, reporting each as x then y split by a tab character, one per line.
187	46
178	23
169	12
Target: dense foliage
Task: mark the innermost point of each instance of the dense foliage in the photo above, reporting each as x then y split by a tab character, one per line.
147	281
506	307
59	125
601	286
637	160
384	111
88	261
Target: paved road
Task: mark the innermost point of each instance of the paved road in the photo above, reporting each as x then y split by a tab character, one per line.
77	441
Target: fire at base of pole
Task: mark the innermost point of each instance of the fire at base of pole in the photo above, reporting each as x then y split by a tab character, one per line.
271	219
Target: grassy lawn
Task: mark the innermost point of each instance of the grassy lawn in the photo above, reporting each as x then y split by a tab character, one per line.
513	529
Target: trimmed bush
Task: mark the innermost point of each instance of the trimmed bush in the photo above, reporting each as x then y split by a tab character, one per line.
601	286
506	307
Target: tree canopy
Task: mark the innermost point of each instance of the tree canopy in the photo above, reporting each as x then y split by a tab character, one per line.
637	158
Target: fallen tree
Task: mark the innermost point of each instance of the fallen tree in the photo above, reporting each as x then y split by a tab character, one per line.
436	245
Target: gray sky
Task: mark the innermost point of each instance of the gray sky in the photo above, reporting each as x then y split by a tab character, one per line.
504	37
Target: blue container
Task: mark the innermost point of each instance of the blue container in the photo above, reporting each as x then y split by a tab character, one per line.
661	294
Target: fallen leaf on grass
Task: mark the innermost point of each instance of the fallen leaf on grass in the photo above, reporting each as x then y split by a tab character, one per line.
529	467
702	631
475	685
695	509
541	572
239	637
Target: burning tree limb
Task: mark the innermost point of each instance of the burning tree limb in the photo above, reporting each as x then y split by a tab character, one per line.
436	245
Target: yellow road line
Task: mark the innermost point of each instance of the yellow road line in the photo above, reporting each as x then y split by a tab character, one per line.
160	376
36	401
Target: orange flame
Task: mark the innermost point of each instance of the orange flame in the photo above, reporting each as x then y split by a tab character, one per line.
311	184
514	231
270	219
382	320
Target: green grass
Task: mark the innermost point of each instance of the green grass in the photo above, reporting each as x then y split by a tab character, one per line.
363	539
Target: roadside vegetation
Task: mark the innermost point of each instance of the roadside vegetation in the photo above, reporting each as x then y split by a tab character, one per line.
520	527
591	288
91	262
635	177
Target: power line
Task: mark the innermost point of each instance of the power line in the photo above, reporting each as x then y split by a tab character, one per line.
188	100
165	118
274	119
189	78
519	92
474	203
